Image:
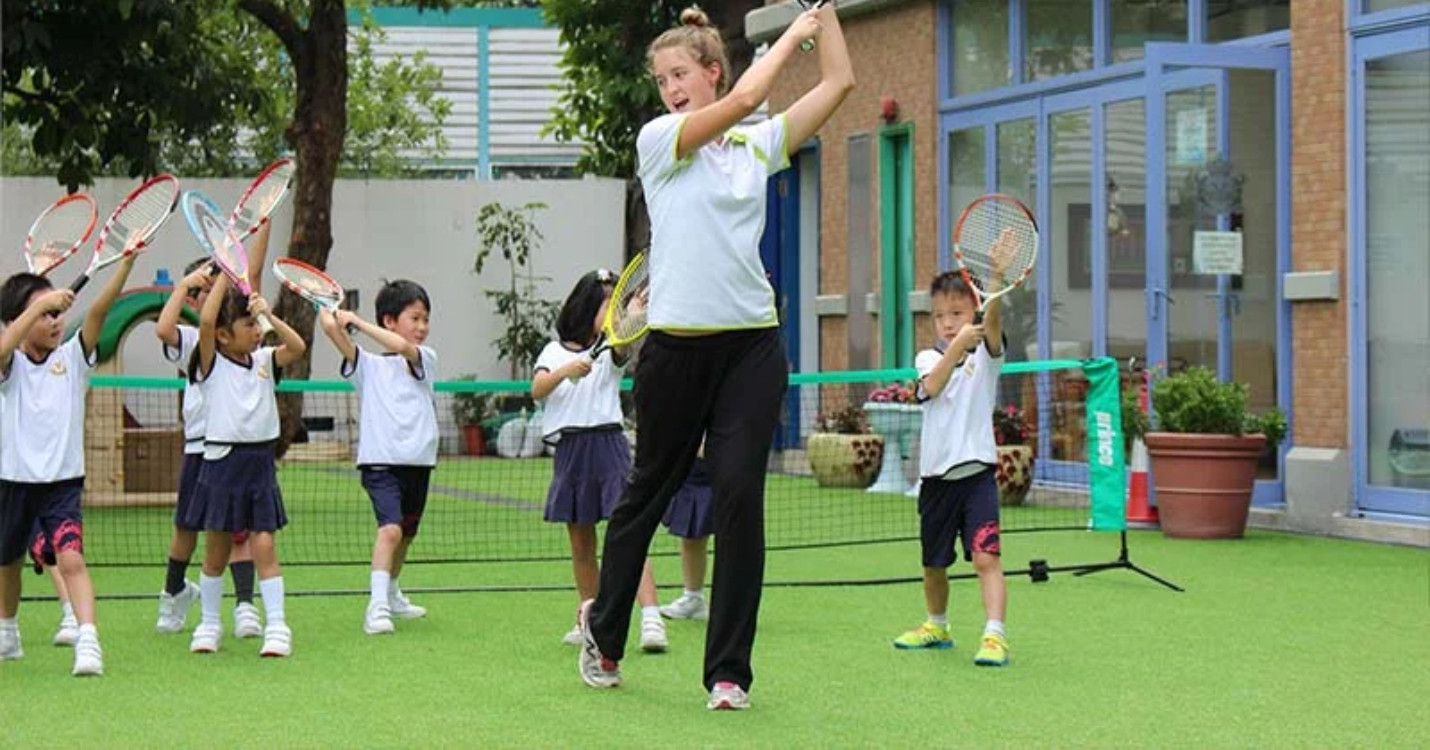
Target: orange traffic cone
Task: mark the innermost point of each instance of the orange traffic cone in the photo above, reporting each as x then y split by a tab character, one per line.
1140	514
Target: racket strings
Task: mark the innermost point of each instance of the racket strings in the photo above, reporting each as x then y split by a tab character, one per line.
997	244
138	219
261	200
60	231
629	312
307	284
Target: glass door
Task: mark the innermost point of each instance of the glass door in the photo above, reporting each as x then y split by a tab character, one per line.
1218	221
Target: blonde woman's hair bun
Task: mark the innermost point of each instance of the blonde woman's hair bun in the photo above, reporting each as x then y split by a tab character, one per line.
694	16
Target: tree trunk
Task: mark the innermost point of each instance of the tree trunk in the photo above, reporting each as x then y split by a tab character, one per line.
316	134
637	219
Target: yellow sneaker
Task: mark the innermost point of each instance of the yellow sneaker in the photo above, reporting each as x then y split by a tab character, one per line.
994	652
927	635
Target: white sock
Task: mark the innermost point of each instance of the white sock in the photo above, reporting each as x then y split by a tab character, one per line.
393	589
696	594
650	613
66	610
88	631
210	598
995	626
940	620
380	589
271	589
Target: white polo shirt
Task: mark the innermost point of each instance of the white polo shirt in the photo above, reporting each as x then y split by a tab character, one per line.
42	415
193	394
958	422
592	401
707	214
242	407
397	412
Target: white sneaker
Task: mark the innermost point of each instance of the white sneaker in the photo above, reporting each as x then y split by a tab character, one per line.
206	639
596	670
401	608
687	607
10	642
68	631
277	640
727	696
378	620
88	658
245	621
572	637
653	640
174	609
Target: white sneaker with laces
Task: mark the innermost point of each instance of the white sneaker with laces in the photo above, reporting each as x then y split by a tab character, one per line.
68	631
687	607
277	640
401	608
727	696
174	609
378	620
653	640
245	621
206	639
10	642
596	670
88	658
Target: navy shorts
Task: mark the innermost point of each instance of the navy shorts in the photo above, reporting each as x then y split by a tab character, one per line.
41	518
399	494
966	508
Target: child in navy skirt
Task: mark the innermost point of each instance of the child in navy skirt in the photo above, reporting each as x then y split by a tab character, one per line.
238	483
582	400
690	518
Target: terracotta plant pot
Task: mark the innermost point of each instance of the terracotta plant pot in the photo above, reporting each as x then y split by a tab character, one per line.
1015	474
844	460
1203	482
474	442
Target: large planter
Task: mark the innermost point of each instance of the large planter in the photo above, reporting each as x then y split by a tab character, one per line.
1203	482
1015	474
838	460
896	423
474	442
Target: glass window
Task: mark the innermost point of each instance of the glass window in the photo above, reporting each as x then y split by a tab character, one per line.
1124	148
1397	261
1071	176
1136	22
980	46
1372	6
1059	34
1018	177
1234	19
965	168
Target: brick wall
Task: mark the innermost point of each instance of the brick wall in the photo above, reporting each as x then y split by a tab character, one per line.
893	53
1318	212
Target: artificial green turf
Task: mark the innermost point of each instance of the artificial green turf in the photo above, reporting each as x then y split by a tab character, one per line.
1280	640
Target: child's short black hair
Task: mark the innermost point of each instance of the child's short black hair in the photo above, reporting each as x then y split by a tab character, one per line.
196	264
396	296
574	322
951	283
16	293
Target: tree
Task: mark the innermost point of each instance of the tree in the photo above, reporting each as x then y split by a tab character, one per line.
513	233
104	82
608	92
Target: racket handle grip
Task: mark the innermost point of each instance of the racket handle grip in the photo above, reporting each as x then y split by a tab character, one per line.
79	283
264	324
978	321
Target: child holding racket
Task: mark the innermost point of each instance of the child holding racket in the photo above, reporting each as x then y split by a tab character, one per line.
180	346
958	497
238	482
714	363
43	384
397	442
593	458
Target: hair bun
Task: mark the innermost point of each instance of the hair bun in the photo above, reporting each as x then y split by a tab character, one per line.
694	16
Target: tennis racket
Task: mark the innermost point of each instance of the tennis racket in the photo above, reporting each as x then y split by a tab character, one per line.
263	196
311	284
132	225
995	244
625	320
808	44
208	225
59	232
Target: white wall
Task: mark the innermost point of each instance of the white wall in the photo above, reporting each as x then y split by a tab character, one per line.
422	230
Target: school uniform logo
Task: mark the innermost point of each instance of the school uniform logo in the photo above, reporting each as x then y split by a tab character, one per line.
262	372
58	367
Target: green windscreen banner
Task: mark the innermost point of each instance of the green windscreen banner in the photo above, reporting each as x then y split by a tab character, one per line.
1106	464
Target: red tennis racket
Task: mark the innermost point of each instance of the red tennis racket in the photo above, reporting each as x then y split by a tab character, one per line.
132	225
59	232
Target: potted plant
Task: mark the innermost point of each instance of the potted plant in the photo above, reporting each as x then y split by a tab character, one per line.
469	410
1204	448
895	415
1015	455
513	233
841	451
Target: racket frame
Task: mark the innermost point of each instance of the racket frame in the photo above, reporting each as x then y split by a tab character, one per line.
133	245
982	297
51	210
198	228
263	217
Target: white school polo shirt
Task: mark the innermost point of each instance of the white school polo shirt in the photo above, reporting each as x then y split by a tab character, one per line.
193	394
42	415
397	414
592	401
707	213
958	422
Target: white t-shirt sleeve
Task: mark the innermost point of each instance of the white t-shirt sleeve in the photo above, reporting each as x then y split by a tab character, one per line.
188	342
352	369
74	352
656	146
551	357
426	368
768	140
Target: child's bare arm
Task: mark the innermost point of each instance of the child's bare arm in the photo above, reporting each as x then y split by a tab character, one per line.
94	319
54	301
208	324
290	345
167	327
389	340
545	381
337	333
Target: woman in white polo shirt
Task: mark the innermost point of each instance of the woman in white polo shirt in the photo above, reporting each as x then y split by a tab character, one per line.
714	363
